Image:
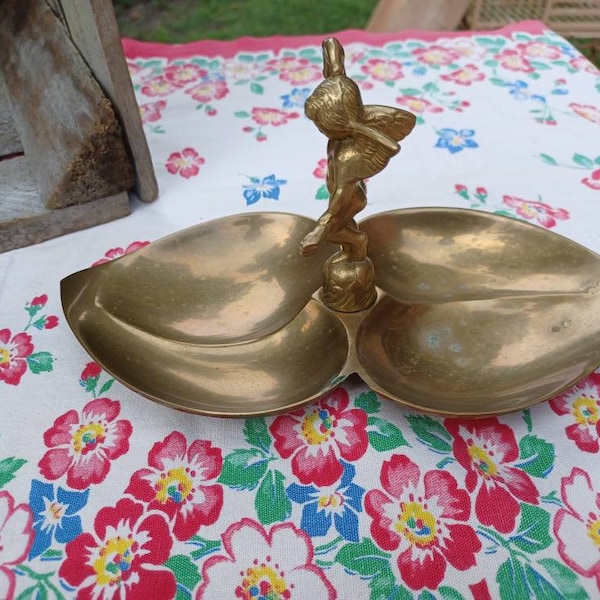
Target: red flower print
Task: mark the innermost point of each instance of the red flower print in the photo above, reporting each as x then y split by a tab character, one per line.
577	526
264	564
176	483
435	55
467	48
465	76
39	302
272	116
158	86
487	450
302	75
123	558
91	371
50	322
539	50
208	90
118	252
181	75
582	404
423	520
16	537
320	171
318	436
587	111
592	180
13	356
418	105
383	70
240	71
461	190
152	111
540	211
82	446
287	63
187	163
581	63
514	61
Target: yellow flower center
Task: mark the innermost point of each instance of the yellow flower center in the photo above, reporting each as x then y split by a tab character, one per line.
416	524
55	511
4	356
514	61
482	461
417	105
87	437
264	583
334	500
585	411
594	531
433	57
318	427
159	86
175	485
114	560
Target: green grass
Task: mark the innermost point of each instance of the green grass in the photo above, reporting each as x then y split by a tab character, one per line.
188	20
179	21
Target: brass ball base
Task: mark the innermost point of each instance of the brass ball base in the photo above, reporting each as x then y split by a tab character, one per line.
349	285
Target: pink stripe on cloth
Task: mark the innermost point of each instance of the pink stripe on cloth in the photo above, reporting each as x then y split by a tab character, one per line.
230	48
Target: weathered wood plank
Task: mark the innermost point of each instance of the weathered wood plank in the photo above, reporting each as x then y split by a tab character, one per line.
9	138
434	15
25	221
93	27
66	124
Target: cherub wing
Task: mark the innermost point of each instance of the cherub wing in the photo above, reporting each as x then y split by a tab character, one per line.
393	122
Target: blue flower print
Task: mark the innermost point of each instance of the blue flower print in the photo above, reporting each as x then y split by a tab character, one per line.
456	141
267	187
54	515
296	98
517	89
339	505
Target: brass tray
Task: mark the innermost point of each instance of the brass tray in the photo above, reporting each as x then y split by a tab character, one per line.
444	310
476	314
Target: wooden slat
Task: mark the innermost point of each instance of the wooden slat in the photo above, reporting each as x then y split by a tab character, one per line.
25	221
9	138
436	15
66	124
93	27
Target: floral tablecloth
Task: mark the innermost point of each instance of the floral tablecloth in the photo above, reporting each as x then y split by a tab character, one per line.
104	494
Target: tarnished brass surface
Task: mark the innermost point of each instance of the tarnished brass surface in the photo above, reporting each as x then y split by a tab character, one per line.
476	314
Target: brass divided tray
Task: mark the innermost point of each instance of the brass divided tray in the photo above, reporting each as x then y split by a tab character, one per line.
450	311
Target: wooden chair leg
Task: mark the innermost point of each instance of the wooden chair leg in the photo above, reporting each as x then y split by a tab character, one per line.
435	15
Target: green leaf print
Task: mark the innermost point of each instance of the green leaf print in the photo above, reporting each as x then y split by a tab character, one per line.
8	468
565	579
185	570
271	502
257	433
363	558
368	401
533	534
431	433
384	435
536	455
243	469
40	362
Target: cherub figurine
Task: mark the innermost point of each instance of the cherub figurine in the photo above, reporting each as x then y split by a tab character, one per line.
362	140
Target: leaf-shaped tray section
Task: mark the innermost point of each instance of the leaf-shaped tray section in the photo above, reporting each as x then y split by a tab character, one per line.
216	319
483	314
